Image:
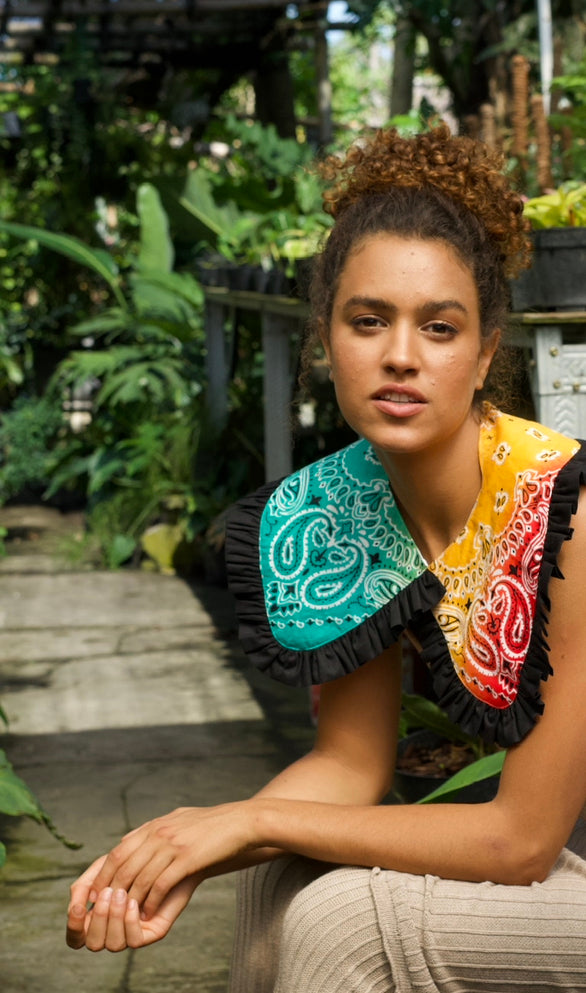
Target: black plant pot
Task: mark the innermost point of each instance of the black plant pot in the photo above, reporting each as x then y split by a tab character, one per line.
557	277
411	787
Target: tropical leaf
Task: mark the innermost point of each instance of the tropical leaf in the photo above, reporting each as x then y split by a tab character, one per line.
120	549
182	284
152	299
476	772
159	381
197	199
80	366
94	258
103	466
111	322
156	248
17	800
10	369
69	470
423	713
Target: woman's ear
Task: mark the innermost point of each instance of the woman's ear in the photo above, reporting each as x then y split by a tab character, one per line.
487	352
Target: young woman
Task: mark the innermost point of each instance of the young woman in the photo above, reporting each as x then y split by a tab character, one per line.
447	520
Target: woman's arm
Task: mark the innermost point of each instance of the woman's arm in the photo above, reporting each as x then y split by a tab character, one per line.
352	762
515	839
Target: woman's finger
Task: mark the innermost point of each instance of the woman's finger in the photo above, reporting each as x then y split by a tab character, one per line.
115	940
173	874
144	878
135	936
76	923
98	924
113	863
81	889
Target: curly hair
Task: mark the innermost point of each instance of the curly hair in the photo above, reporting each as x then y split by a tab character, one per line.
431	186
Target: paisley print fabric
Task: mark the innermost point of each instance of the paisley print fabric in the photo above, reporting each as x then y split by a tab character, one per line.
333	548
491	571
326	574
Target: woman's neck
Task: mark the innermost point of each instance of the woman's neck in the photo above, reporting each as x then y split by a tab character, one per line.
436	491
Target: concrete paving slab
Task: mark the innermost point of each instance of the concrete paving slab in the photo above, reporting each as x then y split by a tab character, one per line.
128	696
104	599
174	687
60	644
36	564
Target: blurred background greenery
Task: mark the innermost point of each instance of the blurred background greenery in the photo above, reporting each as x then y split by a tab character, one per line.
143	151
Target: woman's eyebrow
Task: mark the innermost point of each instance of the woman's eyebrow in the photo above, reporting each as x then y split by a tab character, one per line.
371	303
437	306
429	307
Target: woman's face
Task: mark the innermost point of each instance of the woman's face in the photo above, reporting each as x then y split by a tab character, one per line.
405	348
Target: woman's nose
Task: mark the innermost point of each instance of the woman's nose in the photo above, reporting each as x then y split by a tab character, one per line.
400	351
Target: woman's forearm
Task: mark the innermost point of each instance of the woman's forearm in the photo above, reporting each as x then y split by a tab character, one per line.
471	842
318	777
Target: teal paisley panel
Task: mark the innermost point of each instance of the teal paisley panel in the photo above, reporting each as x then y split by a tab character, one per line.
333	548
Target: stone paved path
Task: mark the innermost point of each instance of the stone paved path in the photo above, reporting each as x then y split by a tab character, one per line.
127	695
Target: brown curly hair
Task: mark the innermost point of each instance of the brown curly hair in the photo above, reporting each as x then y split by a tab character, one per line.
432	186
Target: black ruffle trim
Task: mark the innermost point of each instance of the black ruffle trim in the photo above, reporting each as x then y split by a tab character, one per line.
319	665
509	726
412	608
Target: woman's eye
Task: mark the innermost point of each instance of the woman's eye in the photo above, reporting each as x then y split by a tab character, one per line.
367	323
441	329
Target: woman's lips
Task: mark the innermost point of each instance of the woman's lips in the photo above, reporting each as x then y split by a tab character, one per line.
399	402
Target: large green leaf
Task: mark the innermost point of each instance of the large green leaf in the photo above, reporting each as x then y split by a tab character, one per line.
484	768
157	295
156	248
94	258
181	284
197	199
157	381
16	799
423	713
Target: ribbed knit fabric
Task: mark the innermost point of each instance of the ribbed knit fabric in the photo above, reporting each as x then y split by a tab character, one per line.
305	928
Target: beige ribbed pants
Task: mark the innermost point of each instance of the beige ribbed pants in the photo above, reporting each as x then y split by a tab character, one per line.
304	927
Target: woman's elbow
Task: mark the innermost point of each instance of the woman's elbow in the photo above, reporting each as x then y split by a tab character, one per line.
522	861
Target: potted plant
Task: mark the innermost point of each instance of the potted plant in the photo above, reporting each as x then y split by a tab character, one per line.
555	280
437	761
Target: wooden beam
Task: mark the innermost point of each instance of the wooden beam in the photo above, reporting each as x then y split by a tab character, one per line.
105	8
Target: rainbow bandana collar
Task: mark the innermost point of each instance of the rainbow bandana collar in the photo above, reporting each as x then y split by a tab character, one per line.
326	574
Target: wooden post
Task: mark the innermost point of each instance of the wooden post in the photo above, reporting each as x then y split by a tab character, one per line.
276	336
324	87
216	364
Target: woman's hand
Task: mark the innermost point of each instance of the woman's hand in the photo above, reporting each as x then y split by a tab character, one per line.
114	923
151	861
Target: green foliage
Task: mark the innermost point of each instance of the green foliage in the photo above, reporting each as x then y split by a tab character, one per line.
360	73
28	433
17	800
156	248
262	203
98	260
572	87
565	207
143	360
418	712
483	768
